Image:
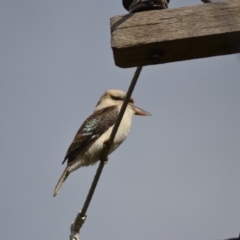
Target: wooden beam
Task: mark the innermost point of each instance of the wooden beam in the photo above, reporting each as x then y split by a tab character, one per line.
163	36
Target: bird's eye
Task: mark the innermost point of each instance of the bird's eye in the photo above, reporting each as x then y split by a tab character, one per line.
116	98
121	99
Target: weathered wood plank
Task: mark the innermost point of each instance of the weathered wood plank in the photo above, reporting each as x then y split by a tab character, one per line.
171	35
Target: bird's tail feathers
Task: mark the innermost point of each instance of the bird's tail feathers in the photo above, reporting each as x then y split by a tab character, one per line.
61	181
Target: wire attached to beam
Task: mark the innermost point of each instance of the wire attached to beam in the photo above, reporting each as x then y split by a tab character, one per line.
81	216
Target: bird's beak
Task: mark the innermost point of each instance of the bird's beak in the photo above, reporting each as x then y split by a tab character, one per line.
141	112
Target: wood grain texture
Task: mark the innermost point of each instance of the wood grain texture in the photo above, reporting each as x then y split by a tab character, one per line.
172	35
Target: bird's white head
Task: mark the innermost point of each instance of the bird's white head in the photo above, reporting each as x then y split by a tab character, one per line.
116	97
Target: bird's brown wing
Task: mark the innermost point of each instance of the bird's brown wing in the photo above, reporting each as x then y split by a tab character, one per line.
92	128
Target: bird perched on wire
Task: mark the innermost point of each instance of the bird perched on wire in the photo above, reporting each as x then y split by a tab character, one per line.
87	146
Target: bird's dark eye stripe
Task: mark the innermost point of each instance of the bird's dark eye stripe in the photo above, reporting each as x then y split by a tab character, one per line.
117	98
121	99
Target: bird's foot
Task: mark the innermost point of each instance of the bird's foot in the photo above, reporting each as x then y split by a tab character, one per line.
104	158
106	143
105	161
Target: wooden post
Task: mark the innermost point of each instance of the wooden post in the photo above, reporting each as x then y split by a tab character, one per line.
162	36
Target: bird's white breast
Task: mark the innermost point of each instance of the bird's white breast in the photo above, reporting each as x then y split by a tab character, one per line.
95	150
93	153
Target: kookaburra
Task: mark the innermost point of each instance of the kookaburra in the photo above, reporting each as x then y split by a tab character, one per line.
87	145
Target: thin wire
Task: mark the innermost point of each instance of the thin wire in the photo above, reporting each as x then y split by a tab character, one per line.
107	146
110	141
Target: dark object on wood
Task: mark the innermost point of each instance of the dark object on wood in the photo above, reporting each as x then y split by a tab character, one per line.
200	31
144	5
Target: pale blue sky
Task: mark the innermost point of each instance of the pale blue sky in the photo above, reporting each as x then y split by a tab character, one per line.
177	174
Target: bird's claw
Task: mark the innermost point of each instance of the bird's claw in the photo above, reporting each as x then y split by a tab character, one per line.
105	145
